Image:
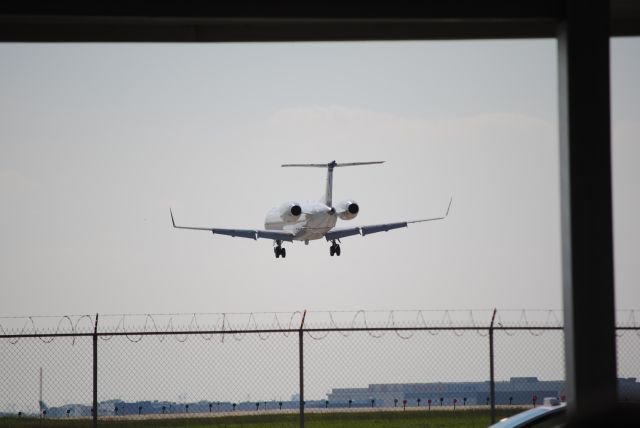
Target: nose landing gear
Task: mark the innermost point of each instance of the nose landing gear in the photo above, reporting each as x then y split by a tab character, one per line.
279	251
334	249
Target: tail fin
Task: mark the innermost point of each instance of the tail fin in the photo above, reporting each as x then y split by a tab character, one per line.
329	190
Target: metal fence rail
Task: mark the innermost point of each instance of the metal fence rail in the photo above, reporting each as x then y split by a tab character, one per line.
163	366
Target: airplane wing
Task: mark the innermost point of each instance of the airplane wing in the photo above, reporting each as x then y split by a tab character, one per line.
375	228
241	233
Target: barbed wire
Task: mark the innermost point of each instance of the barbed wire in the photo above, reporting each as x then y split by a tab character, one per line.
318	324
631	323
29	327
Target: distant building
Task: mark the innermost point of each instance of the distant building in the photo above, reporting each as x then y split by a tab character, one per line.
518	390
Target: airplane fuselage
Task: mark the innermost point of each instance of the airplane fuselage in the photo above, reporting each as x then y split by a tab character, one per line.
314	221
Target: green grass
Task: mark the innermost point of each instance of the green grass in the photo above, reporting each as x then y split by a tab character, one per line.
431	419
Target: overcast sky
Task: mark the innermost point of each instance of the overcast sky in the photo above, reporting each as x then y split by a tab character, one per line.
99	140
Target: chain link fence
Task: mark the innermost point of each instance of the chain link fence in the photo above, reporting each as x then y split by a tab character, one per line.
285	369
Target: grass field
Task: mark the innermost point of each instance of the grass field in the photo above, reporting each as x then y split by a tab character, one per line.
431	419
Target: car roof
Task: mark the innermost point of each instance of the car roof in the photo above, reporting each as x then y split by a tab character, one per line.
529	415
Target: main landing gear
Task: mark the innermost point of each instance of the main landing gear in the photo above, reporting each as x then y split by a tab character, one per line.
334	249
279	251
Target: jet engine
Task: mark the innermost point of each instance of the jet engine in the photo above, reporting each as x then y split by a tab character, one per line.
290	211
347	210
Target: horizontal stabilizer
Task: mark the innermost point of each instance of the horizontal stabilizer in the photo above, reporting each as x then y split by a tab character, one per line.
328	194
309	165
333	164
358	163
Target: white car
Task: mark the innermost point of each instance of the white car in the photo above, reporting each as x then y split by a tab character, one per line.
551	414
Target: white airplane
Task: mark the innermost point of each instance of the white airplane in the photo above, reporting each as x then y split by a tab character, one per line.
312	220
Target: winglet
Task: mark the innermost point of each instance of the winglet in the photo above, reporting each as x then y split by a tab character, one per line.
449	207
172	220
435	218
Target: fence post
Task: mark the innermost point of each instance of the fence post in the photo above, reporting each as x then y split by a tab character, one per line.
492	380
301	360
95	373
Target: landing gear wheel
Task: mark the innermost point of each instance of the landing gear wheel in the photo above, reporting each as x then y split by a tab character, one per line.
334	249
278	250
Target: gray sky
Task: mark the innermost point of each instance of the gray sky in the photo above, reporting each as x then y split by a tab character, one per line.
98	141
